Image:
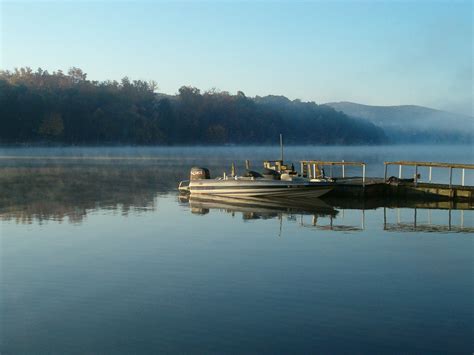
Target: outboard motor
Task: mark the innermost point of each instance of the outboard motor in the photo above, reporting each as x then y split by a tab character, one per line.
199	174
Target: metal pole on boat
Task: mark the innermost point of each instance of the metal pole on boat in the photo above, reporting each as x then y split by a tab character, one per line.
232	173
363	176
247	164
281	147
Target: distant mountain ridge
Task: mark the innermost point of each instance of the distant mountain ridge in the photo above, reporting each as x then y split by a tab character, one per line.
411	123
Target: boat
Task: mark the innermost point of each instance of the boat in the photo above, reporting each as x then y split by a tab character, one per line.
277	180
271	183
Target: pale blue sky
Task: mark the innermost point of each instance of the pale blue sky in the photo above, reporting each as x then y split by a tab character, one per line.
373	52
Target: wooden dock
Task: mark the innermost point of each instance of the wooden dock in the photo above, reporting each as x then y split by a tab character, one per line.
393	187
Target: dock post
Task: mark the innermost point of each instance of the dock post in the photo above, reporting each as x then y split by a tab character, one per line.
449	219
400	171
414	218
301	166
429	178
343	170
450	176
247	165
232	170
308	168
416	175
314	170
363	176
385	174
462	177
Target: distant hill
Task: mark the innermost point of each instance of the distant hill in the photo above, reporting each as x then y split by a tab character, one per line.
411	123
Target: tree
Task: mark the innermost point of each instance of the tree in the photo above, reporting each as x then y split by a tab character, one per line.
52	126
77	75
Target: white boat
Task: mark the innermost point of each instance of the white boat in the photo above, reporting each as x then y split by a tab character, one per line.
253	185
278	180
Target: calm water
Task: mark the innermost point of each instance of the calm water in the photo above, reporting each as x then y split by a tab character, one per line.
101	256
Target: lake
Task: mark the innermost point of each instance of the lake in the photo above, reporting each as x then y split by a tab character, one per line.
102	256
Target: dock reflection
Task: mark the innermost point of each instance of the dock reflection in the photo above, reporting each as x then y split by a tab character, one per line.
444	221
321	215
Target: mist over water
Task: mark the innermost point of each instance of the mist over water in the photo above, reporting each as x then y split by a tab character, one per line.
100	255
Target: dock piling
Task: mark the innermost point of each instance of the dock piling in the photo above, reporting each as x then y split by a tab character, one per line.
416	176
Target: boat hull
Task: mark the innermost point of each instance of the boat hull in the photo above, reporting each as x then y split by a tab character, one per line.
258	188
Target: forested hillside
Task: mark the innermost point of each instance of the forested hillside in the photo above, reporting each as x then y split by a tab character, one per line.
37	107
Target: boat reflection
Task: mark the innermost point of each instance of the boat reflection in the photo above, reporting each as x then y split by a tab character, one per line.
258	208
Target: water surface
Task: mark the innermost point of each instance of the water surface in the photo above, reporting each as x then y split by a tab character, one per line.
102	256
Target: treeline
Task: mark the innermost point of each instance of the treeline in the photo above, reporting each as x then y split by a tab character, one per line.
38	107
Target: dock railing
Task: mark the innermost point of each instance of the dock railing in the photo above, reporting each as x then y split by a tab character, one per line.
430	165
311	167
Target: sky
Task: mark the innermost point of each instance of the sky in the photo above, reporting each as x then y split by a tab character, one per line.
370	52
